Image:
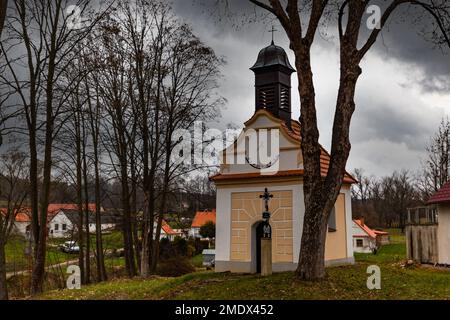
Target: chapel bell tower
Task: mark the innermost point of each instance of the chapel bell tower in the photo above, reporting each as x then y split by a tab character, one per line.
273	82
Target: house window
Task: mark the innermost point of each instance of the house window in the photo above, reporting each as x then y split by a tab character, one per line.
56	227
332	221
359	243
64	227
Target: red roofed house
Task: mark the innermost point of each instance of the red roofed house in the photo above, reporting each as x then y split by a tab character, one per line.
442	201
59	224
200	219
167	231
54	208
22	221
23	218
365	239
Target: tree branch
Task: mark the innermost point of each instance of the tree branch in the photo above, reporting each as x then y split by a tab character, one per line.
374	35
316	14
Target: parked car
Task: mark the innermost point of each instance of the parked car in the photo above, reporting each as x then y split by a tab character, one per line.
70	247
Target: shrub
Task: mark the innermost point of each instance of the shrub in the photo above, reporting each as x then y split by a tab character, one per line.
174	267
190	251
181	246
200	245
208	230
166	250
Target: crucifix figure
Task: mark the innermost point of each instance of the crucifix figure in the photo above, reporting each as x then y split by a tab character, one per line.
266	197
273	31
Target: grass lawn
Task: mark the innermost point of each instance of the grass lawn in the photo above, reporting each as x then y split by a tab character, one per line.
346	282
17	261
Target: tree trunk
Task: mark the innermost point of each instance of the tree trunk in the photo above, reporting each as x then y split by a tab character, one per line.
134	222
37	281
94	115
3	8
86	207
145	238
80	198
321	193
40	251
101	270
3	286
127	235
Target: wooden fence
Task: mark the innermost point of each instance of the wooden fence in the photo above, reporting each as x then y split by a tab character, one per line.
422	243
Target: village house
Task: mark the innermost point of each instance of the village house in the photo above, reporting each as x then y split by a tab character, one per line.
65	223
22	221
365	239
240	225
428	230
167	231
200	219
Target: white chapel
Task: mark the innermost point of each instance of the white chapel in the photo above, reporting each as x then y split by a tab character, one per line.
240	184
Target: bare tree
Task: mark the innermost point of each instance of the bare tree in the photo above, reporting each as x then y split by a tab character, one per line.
42	37
300	20
187	97
361	189
94	116
113	76
436	167
13	192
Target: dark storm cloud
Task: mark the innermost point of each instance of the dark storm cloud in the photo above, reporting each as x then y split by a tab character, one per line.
401	96
406	40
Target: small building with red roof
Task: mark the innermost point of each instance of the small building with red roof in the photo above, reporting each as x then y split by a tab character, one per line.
22	220
365	239
200	219
167	231
441	199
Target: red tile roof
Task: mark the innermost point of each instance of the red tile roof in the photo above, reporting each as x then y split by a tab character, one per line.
22	216
167	229
442	196
283	173
202	217
371	233
53	207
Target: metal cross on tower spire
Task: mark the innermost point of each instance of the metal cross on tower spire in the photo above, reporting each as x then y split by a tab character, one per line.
273	31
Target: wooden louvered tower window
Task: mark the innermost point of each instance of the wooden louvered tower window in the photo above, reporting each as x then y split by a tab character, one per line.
267	97
285	99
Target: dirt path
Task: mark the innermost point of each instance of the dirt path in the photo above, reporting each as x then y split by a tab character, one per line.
57	265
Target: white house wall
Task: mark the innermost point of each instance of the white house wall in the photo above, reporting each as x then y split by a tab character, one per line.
368	244
60	219
21	227
443	234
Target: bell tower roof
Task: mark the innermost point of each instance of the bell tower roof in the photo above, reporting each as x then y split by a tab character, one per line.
270	56
273	82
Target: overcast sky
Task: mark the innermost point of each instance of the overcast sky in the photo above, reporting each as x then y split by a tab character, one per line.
402	95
